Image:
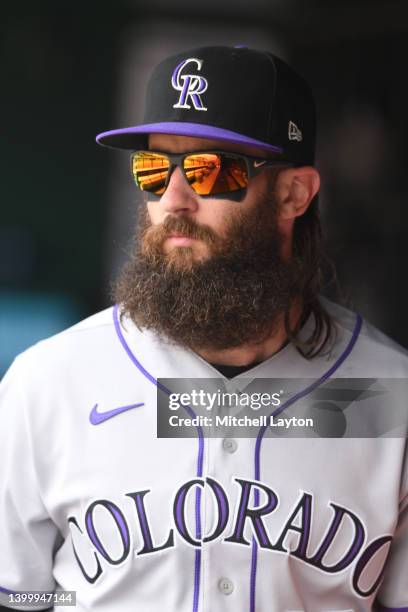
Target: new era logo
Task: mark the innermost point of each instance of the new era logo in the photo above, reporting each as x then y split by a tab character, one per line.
294	132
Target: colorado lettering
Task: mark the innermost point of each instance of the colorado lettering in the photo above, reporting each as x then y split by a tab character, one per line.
94	552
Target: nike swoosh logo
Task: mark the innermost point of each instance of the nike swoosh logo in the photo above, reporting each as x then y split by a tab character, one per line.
96	418
260	163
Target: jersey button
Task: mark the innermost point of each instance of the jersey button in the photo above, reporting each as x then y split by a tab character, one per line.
226	586
229	445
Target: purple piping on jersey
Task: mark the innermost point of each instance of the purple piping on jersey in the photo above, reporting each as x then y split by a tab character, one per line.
254	560
222	502
198	514
309	389
289	402
384	609
154	381
7	591
181	128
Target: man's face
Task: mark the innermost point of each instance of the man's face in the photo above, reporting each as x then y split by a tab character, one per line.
208	272
189	228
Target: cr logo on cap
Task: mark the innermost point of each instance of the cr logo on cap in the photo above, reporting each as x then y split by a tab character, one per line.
190	85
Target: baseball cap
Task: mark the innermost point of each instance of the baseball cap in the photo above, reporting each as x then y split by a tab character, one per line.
232	94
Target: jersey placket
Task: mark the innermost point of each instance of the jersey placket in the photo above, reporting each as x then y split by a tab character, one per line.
225	583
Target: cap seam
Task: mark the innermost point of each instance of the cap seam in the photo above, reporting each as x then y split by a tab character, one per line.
272	61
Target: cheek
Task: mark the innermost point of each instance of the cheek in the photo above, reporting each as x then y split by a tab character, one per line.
218	216
153	213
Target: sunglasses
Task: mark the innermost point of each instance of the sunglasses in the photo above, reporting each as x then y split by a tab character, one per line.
209	173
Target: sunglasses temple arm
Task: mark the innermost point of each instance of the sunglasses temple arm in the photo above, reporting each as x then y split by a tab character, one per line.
255	170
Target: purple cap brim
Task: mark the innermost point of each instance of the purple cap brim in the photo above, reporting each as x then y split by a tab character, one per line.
122	138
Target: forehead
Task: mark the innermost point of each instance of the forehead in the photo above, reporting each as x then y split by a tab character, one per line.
182	144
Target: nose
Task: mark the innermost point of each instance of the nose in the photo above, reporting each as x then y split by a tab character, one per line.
179	196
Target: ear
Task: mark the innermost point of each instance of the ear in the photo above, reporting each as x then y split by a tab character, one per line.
295	188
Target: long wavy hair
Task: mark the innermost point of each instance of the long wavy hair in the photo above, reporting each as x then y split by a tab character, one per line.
318	273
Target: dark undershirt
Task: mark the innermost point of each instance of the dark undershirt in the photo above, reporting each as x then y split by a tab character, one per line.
230	371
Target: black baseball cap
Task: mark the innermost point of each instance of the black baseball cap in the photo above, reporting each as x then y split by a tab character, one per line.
232	94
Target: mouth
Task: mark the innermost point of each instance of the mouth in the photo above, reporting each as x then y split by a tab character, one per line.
180	239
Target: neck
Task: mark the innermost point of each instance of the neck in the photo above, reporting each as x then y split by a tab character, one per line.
254	352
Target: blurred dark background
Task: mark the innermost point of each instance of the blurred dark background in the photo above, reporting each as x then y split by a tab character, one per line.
70	71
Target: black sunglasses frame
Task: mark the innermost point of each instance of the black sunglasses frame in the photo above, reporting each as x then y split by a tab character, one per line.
254	166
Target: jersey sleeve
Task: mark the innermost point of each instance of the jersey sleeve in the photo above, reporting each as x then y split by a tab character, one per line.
28	536
393	593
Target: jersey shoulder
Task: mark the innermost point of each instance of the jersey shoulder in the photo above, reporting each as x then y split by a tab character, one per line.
373	349
63	348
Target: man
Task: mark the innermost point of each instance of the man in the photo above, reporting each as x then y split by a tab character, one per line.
222	286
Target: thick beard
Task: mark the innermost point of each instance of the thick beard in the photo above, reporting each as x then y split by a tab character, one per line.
235	297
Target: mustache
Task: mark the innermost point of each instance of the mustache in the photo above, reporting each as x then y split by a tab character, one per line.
155	235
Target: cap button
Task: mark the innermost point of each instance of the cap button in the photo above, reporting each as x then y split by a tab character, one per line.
240	46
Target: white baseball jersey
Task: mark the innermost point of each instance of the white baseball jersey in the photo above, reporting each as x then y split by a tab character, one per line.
92	501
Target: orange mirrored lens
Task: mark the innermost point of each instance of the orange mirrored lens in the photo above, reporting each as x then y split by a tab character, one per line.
207	173
212	173
150	171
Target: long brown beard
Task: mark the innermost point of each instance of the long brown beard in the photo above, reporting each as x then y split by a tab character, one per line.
236	296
